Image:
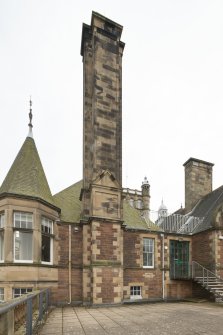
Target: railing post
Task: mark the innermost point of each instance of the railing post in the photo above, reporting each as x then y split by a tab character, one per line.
203	276
29	316
47	299
192	268
40	306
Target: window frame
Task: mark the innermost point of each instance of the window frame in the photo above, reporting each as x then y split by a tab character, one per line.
2	295
135	289
1	245
47	233
2	228
149	252
28	229
27	289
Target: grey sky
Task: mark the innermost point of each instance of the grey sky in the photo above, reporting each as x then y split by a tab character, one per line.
172	88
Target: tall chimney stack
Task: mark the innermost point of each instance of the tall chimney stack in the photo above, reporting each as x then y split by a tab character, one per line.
198	181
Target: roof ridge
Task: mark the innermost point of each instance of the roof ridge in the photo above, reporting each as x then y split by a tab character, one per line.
67	188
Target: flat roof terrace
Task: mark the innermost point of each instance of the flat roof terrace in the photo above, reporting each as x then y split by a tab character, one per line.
155	319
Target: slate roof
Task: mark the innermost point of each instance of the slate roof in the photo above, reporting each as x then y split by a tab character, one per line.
26	176
206	208
134	220
68	201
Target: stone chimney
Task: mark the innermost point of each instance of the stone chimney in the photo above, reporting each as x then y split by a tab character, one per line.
198	181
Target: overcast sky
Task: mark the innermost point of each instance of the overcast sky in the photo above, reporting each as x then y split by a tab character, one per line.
172	88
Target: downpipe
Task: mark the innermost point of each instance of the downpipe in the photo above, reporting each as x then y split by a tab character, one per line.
163	267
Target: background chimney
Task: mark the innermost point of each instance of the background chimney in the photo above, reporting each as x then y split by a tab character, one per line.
198	181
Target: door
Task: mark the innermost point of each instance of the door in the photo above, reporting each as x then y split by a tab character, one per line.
179	260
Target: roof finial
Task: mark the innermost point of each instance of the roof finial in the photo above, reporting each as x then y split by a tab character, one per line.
30	118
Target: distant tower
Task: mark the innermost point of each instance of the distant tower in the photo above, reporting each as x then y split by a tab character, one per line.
162	211
198	181
146	197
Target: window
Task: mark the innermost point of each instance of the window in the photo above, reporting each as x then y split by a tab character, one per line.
23	237
148	252
2	220
47	240
139	204
1	245
18	292
135	292
1	294
2	224
23	220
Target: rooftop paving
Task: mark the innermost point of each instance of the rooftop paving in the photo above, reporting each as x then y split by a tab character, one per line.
186	318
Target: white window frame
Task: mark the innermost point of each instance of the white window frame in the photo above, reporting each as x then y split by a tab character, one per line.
23	224
135	292
2	220
2	297
150	244
48	231
20	289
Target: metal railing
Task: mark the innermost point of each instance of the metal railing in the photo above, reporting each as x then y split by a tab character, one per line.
27	311
204	275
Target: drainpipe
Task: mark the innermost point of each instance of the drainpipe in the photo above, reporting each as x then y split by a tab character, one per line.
69	266
163	266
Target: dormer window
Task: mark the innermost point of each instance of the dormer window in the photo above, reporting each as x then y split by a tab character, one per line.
23	237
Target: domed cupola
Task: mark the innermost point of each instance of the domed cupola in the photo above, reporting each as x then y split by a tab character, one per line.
162	211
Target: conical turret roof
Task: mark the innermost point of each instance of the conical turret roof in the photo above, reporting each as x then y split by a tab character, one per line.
26	176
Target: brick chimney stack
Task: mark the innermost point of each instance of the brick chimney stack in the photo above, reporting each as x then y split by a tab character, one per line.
198	181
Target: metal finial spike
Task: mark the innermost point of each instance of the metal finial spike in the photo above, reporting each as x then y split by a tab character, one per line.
30	118
30	113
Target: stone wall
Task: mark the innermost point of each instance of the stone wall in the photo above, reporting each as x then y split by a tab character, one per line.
70	289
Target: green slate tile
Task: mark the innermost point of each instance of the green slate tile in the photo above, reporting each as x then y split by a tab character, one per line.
26	175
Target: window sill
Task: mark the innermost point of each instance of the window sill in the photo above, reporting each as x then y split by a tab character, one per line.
47	263
23	261
135	297
148	267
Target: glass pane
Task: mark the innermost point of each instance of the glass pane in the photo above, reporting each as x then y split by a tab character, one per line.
144	259
2	220
23	246
1	245
1	294
46	244
47	226
23	220
148	251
